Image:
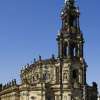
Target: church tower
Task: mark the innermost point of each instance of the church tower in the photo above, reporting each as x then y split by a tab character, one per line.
70	39
70	52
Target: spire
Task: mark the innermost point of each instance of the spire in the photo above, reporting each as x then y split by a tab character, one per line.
70	16
69	2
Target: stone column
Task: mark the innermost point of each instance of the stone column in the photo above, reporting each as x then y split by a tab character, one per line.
69	97
69	50
57	97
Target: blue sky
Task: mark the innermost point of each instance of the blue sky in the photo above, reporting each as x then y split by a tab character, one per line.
28	28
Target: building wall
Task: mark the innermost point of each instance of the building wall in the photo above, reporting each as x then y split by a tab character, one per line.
98	97
10	96
49	89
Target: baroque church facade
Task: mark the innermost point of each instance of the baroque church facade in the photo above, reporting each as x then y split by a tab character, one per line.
56	78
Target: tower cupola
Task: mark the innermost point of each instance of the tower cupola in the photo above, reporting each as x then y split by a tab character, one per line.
70	39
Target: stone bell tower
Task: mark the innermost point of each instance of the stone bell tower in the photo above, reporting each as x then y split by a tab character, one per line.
70	38
70	52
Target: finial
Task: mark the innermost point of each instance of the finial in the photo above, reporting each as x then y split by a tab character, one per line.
34	60
27	65
53	56
40	58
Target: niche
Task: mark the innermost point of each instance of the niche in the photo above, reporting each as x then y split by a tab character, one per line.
75	74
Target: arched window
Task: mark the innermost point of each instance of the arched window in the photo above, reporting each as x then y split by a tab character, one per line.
37	76
75	74
75	51
49	98
65	49
33	79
